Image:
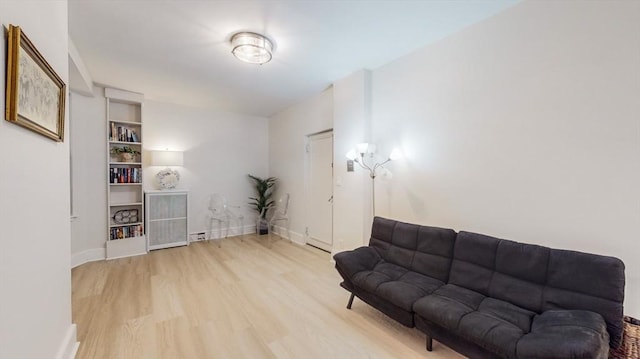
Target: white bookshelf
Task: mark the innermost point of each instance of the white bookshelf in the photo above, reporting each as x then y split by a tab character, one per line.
125	230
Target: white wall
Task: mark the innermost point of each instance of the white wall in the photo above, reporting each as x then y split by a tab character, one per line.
352	211
288	131
220	149
88	132
525	126
35	278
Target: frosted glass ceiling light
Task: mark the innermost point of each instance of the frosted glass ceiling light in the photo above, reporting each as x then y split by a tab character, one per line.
251	47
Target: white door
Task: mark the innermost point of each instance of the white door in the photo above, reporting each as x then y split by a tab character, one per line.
320	190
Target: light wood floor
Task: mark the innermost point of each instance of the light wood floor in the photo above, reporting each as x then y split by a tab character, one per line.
243	300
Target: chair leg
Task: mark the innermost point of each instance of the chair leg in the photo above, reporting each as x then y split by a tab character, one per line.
429	343
350	301
269	230
289	231
210	228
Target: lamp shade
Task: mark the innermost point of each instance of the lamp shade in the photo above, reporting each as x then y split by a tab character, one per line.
362	147
395	155
167	158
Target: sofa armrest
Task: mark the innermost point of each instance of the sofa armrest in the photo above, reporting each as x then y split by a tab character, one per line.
565	334
349	263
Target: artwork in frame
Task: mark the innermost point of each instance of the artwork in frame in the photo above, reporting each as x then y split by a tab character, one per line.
35	94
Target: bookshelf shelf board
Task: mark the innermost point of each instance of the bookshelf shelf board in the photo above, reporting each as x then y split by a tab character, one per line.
124	143
126	122
126	239
125	184
126	163
124	225
125	204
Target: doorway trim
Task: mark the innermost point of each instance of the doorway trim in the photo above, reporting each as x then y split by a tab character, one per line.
307	190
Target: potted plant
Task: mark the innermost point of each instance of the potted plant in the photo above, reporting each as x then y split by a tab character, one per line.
125	153
262	202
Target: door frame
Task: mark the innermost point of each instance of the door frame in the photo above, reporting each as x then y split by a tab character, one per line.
307	189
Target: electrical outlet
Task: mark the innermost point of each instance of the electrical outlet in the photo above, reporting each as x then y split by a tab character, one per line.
201	236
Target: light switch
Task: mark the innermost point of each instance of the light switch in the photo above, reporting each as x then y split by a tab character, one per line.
349	165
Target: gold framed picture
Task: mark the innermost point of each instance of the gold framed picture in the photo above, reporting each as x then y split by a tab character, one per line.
35	93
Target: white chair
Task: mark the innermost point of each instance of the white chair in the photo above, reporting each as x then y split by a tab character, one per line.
219	211
281	214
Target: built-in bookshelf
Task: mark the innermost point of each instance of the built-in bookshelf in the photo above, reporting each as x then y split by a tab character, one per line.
125	232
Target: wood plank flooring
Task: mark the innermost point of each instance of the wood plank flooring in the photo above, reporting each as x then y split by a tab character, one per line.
245	299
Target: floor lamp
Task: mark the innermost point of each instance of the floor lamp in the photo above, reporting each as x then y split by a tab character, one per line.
363	155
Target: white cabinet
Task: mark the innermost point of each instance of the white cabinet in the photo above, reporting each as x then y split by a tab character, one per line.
125	236
166	220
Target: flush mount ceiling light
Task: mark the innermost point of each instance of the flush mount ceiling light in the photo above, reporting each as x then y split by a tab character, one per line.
251	47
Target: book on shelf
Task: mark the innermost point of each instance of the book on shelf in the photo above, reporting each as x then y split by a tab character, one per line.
126	232
123	134
125	175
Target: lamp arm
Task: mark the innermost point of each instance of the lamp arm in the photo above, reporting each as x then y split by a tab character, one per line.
362	164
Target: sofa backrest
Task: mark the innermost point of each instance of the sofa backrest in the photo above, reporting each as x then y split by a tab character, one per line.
540	278
422	249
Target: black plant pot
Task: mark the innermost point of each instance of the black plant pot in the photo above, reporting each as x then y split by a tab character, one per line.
263	227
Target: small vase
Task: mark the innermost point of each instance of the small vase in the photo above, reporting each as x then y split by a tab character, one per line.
263	227
126	157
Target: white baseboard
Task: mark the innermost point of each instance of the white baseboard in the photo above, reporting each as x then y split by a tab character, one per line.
233	231
89	255
69	345
296	237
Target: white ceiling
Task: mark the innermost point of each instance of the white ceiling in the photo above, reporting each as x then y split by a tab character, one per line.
179	52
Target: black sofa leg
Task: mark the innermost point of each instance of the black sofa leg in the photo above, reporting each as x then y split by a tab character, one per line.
350	301
429	343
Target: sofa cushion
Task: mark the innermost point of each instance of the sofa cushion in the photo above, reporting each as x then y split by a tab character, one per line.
448	305
520	274
396	284
496	326
383	272
422	249
473	261
493	324
348	263
565	334
434	251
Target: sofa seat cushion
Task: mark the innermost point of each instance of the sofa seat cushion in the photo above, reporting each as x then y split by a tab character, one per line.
566	334
396	284
496	326
493	324
448	305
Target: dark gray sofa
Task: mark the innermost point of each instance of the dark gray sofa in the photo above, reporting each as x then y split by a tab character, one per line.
487	297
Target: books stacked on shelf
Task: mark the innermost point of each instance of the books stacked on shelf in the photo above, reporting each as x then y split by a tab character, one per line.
126	232
123	134
125	175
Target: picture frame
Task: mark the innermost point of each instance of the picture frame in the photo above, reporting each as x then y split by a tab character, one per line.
35	94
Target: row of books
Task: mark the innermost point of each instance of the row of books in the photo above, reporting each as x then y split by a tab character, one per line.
125	175
126	232
123	134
